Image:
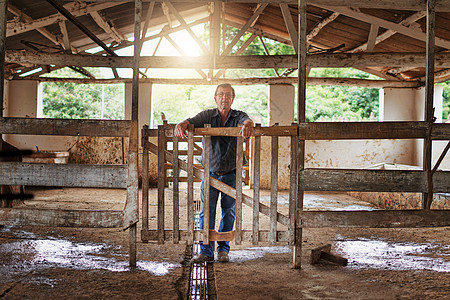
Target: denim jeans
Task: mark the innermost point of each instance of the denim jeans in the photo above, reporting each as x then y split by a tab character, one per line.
228	205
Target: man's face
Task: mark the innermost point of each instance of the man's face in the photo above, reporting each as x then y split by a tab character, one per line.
224	98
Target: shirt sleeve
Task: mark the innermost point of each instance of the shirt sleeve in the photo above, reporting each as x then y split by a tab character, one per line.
200	119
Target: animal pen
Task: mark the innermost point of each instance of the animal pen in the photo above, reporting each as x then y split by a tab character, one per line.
427	181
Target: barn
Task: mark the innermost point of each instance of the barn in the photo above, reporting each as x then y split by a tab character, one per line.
88	208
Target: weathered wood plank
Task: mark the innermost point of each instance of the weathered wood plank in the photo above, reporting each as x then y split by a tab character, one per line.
375	219
190	185
371	83
273	189
257	131
61	218
65	127
256	186
363	130
238	212
372	180
145	181
206	186
161	183
66	175
330	60
176	194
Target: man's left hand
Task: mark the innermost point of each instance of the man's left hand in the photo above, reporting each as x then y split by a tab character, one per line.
247	129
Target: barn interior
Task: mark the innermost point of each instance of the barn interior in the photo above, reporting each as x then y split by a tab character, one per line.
87	177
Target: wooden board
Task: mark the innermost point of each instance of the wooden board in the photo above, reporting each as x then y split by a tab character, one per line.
65	127
66	175
372	180
61	218
375	219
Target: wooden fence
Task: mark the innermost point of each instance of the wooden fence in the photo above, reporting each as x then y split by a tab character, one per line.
66	175
301	180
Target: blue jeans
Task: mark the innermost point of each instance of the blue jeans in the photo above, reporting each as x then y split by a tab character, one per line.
228	205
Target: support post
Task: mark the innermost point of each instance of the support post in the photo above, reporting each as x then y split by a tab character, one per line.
301	107
3	10
429	94
293	188
145	183
161	181
133	187
176	194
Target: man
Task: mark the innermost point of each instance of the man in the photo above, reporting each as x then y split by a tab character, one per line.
223	164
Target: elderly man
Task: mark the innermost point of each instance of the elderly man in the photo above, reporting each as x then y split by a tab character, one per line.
223	164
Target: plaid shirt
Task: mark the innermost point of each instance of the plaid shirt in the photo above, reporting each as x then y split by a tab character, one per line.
223	148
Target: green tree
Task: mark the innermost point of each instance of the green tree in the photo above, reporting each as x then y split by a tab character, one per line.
81	101
446	100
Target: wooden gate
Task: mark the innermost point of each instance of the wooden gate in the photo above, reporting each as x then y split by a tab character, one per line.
301	180
254	235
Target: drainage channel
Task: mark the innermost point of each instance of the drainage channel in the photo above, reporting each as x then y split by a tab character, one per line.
201	280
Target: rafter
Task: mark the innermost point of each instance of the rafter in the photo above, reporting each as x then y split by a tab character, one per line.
14	10
372	37
315	31
107	27
74	8
290	26
65	36
388	33
244	28
183	23
353	13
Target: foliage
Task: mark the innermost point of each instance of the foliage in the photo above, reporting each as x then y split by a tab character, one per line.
446	101
81	101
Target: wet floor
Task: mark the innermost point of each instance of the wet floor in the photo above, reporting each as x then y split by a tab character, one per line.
386	255
26	254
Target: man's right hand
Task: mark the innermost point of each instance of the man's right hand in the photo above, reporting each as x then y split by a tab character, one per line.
180	130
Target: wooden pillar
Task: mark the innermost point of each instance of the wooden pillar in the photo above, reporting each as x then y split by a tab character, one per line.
429	94
3	10
301	107
214	35
133	187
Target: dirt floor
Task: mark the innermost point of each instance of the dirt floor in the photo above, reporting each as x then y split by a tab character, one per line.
44	262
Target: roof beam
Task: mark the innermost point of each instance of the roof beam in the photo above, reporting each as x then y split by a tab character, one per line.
354	13
242	81
290	25
315	31
388	33
441	5
244	28
14	28
109	29
330	60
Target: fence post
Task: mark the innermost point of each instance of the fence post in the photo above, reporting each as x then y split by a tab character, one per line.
256	179
274	190
239	162
145	187
206	187
161	181
176	194
190	186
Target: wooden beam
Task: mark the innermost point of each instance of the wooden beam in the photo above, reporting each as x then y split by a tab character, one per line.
330	60
109	29
244	28
65	127
183	23
442	5
74	8
242	81
61	218
372	37
27	18
65	37
290	25
315	31
3	18
375	219
353	13
66	175
388	33
372	180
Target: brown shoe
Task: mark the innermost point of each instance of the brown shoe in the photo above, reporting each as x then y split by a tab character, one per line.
222	256
201	258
